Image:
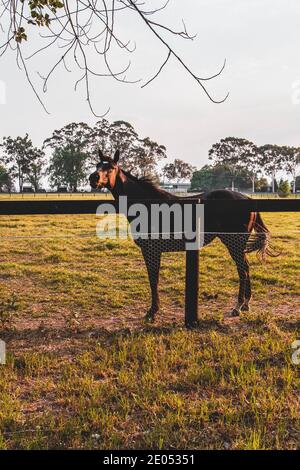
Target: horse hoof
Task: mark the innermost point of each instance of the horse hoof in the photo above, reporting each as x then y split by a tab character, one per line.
235	312
245	308
149	317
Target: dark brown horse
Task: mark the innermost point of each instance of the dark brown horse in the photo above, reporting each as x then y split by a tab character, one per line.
241	234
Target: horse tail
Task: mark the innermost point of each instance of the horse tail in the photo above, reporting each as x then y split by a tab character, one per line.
260	240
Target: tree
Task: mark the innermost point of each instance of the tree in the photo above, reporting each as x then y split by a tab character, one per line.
145	157
100	139
68	167
137	155
23	159
178	170
284	188
218	177
204	179
36	170
291	162
76	26
235	154
5	180
262	185
122	135
252	163
75	135
271	157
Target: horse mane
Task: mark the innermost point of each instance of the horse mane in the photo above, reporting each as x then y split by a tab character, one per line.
143	179
148	183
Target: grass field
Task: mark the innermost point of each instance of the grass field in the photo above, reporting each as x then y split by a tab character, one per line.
53	196
85	371
98	195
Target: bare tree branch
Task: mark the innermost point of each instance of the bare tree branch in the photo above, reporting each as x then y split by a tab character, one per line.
75	26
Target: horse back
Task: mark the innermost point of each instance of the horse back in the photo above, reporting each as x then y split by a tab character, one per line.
223	194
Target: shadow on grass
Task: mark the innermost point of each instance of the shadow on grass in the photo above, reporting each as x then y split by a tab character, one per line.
39	336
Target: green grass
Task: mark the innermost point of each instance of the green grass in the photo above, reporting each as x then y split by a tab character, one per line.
98	195
85	371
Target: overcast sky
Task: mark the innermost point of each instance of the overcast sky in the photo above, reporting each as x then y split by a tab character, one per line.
260	40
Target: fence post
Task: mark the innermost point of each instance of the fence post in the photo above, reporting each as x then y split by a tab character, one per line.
192	281
191	288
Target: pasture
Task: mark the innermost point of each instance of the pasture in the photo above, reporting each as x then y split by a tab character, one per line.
85	371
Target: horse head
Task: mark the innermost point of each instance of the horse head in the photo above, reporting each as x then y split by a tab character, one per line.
106	172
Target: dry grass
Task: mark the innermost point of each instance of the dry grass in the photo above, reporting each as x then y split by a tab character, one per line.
85	371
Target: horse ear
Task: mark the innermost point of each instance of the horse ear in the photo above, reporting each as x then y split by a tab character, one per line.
117	156
101	156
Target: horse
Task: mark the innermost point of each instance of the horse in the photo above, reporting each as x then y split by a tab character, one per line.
244	233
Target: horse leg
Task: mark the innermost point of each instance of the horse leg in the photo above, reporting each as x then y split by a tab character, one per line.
248	294
152	259
236	250
244	296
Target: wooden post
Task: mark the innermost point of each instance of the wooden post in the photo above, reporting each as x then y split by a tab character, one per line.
192	278
191	288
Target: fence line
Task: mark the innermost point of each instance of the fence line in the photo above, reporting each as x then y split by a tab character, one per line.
89	194
90	206
94	235
231	207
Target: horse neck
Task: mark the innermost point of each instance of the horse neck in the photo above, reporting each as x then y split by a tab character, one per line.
124	186
128	185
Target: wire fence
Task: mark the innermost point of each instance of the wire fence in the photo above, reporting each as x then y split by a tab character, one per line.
238	244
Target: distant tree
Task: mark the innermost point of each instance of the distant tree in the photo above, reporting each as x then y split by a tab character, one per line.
236	154
100	139
75	135
23	160
252	163
109	137
68	167
272	158
297	183
124	137
284	188
218	177
178	170
203	179
291	163
5	180
36	170
145	157
168	172
262	185
138	155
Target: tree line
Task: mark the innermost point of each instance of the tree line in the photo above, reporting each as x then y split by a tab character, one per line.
235	160
74	148
74	152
